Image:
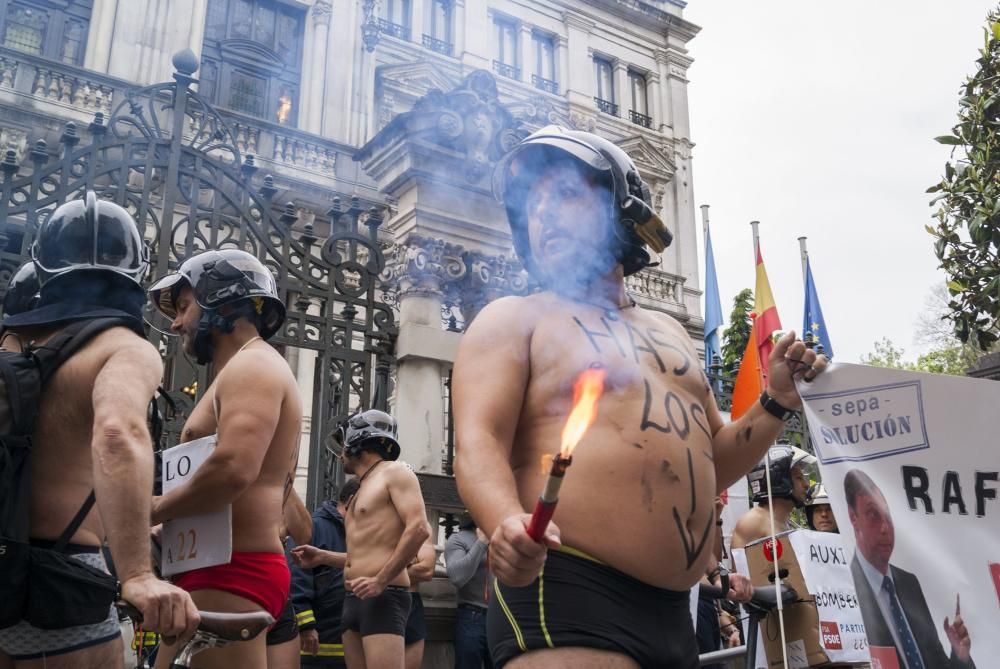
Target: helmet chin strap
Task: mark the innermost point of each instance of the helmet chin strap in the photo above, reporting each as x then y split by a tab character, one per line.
210	320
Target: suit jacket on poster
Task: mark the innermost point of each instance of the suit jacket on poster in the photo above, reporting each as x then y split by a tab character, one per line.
918	615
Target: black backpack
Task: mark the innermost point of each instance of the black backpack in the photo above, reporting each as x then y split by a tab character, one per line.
41	585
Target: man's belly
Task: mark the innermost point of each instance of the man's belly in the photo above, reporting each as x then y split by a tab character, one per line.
365	558
642	505
257	520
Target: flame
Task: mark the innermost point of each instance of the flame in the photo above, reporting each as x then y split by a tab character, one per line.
284	108
586	392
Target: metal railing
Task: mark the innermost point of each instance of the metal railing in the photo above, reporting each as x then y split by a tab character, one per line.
394	29
543	84
640	119
606	106
438	45
505	70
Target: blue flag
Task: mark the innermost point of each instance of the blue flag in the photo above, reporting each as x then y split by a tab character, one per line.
812	319
713	307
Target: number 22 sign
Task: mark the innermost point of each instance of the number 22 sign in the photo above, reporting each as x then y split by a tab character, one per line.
195	541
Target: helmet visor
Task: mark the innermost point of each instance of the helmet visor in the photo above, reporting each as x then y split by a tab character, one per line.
163	292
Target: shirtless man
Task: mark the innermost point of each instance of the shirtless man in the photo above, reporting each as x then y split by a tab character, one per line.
790	487
224	305
614	590
420	570
91	433
386	525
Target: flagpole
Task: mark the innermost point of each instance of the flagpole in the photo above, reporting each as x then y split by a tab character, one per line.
704	220
756	240
805	257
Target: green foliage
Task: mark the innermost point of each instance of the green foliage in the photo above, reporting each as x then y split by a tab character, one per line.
886	354
734	339
947	360
967	236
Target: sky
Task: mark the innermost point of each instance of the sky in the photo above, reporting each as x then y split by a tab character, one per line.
818	119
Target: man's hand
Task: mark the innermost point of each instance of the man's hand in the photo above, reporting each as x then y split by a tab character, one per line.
366	587
308	557
791	360
516	558
482	536
309	639
165	608
740	589
958	635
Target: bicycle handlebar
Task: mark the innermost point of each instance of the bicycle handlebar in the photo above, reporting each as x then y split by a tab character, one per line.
228	626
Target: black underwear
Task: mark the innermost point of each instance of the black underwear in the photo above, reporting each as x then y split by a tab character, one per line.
416	626
385	614
285	628
580	602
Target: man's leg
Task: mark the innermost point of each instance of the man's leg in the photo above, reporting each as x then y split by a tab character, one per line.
354	652
108	655
578	658
467	643
383	651
284	655
414	654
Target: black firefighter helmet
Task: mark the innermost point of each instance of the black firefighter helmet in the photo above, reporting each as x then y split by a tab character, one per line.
370	430
227	278
782	460
91	234
636	225
22	290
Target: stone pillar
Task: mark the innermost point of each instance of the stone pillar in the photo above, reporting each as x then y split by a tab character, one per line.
420	269
418	20
653	100
144	56
99	38
305	374
623	94
313	92
663	91
562	61
684	249
526	53
580	65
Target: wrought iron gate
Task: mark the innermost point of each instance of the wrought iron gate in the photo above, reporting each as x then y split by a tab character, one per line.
173	161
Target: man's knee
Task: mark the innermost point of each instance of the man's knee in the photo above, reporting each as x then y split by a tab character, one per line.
578	658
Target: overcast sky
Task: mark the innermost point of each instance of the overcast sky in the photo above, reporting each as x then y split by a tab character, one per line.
818	119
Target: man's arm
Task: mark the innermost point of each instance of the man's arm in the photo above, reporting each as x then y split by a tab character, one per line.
122	455
462	560
298	522
422	567
740	445
249	411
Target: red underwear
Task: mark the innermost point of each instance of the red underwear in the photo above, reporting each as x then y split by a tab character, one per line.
263	578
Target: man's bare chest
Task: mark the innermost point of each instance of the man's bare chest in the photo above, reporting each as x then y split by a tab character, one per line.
201	422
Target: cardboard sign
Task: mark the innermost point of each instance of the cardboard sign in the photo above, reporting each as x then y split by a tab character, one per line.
196	541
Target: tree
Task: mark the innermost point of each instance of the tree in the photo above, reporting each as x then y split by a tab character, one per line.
967	236
946	360
934	329
734	339
886	354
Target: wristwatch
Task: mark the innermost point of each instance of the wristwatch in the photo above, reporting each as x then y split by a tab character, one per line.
775	408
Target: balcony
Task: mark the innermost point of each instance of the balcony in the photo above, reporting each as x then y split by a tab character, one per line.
544	84
606	106
640	119
438	45
394	29
505	70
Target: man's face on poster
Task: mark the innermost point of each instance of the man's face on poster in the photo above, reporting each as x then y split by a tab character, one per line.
873	529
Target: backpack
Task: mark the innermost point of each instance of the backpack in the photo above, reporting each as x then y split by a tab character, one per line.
41	585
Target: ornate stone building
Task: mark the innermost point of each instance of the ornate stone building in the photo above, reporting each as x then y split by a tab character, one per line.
330	118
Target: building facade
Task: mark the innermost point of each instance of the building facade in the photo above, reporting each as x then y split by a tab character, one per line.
352	143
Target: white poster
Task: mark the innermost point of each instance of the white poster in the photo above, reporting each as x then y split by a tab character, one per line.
911	463
823	560
196	541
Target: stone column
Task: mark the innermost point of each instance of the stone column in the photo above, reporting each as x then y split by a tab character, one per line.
458	27
562	61
579	63
420	269
418	20
312	93
623	94
653	100
477	54
99	38
305	374
526	53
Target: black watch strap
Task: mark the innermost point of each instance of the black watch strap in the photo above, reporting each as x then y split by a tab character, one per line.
773	407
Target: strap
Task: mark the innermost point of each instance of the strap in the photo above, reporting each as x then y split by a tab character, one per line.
74	524
71	339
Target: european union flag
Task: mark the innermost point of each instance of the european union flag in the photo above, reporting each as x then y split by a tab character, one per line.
812	320
713	307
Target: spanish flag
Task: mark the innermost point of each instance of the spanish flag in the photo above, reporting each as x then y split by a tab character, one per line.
766	321
748	385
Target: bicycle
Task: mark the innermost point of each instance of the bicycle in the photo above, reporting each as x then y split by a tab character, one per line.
762	602
214	631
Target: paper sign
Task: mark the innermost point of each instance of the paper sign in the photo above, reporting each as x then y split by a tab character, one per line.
196	541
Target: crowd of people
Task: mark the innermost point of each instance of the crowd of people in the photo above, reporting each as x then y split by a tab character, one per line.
606	586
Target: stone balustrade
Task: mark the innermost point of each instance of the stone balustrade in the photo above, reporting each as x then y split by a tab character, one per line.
77	93
657	286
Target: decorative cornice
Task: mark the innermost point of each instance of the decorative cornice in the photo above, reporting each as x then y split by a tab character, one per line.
321	12
578	21
423	265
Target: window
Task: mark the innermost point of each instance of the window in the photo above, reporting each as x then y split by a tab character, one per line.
544	76
252	58
439	39
48	28
605	77
505	38
639	112
396	19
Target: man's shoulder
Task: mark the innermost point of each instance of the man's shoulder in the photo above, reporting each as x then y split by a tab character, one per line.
259	365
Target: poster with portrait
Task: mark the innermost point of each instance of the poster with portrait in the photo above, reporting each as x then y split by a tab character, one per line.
911	462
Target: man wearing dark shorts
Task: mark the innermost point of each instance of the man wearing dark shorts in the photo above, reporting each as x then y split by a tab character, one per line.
420	570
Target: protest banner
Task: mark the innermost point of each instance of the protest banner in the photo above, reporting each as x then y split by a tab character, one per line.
195	541
912	468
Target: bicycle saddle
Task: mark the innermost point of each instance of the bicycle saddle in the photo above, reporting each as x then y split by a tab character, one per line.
235	626
765	599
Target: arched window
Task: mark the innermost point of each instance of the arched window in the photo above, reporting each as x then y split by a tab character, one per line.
252	58
48	28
